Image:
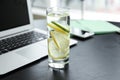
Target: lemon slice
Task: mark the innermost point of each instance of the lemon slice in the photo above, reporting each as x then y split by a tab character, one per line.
61	39
53	37
58	27
54	52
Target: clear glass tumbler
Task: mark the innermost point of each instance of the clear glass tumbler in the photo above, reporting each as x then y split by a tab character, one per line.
58	21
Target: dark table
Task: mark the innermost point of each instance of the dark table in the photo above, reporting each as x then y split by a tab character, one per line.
96	58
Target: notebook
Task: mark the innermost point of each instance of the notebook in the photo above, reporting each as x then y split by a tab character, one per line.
20	42
96	26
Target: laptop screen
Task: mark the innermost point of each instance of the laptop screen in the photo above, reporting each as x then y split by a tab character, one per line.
13	13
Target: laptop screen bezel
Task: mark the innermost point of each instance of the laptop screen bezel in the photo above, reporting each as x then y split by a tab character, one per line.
20	28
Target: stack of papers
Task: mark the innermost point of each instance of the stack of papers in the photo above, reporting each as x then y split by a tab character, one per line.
97	26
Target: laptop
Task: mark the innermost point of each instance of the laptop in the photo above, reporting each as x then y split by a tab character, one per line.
20	42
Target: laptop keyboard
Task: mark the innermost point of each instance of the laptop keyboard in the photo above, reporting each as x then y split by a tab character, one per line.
21	40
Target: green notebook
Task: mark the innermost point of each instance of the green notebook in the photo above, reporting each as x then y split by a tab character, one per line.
97	26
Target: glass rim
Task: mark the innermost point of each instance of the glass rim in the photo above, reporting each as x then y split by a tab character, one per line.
58	8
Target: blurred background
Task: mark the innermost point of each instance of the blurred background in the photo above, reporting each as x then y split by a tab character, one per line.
93	9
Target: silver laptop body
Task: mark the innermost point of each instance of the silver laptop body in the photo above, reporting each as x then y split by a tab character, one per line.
21	15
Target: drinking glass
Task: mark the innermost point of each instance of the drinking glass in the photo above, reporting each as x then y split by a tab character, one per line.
58	21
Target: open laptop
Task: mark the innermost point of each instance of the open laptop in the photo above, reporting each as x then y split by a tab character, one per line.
20	42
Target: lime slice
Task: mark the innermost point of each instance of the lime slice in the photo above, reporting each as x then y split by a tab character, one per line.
58	27
54	52
61	26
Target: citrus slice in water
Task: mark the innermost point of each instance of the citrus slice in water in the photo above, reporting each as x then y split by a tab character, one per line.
61	40
65	28
58	27
55	52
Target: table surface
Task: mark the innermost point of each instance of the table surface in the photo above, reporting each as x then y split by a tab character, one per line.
96	58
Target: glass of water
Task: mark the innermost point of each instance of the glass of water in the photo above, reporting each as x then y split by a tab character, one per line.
58	21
